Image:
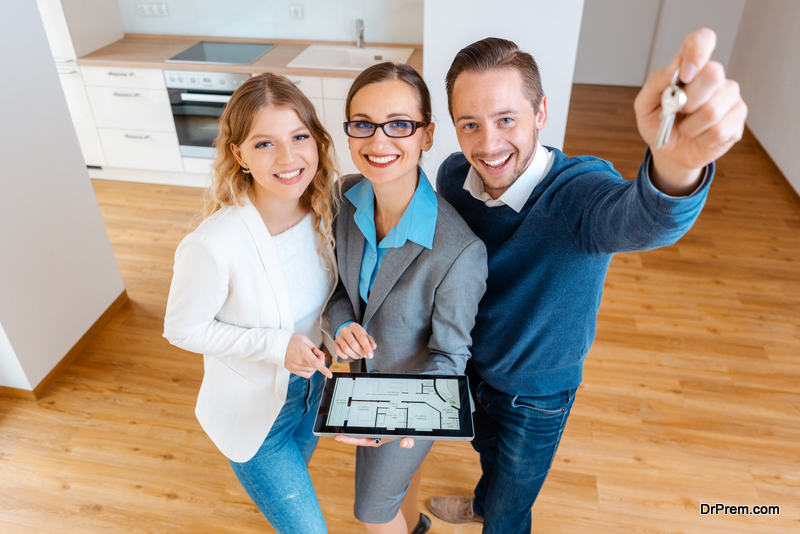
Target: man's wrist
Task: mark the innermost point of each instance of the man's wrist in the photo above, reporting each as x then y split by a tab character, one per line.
673	180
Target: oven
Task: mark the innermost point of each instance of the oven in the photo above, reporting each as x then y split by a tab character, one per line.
197	100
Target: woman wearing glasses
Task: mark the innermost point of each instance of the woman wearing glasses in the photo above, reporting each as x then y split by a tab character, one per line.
411	276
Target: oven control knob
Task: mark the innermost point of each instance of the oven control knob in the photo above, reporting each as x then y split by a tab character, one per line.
172	78
180	79
222	82
193	79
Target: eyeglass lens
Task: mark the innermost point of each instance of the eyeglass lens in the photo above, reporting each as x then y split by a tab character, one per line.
391	129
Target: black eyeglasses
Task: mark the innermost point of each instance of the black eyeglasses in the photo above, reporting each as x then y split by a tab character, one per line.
401	128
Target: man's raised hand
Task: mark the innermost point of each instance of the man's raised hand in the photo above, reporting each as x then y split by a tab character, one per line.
708	125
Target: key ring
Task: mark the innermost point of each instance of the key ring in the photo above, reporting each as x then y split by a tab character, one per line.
675	80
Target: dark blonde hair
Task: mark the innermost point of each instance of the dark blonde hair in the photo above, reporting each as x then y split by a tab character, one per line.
231	184
385	72
494	53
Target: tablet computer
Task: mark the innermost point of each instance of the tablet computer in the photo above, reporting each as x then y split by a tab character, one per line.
373	405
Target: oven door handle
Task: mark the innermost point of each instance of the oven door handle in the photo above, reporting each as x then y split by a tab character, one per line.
211	99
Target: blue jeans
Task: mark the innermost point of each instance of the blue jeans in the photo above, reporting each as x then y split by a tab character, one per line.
277	478
517	438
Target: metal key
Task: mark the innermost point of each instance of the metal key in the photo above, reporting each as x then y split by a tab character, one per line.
672	101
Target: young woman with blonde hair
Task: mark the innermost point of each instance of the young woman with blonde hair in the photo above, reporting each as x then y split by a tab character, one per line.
249	289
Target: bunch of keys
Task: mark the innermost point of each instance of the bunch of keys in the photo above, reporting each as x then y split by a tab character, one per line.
672	101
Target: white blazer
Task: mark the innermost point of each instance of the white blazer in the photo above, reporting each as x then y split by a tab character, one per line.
229	301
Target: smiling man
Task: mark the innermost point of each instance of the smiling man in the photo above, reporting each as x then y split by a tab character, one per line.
551	225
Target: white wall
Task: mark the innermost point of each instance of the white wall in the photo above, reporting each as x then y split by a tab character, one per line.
92	23
766	63
57	270
11	373
385	21
615	41
545	29
678	18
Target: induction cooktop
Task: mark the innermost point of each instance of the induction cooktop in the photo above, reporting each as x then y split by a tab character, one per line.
216	53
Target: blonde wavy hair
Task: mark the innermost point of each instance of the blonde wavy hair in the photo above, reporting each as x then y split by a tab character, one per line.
231	185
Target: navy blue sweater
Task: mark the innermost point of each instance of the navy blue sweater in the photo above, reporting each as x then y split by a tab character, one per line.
547	264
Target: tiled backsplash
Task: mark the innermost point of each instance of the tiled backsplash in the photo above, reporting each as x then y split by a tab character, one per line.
386	21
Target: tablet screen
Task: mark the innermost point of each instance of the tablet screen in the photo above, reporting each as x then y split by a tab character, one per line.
395	405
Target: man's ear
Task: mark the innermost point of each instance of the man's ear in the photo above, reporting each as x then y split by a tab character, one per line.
541	115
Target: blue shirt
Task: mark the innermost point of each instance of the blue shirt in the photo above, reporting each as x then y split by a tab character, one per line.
418	224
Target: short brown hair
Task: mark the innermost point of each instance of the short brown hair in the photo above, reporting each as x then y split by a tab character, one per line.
494	53
387	71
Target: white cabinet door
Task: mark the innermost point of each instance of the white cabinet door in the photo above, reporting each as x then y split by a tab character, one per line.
81	113
133	109
334	117
123	77
336	87
335	90
136	149
310	85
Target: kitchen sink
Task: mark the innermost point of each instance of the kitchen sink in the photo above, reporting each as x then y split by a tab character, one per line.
347	57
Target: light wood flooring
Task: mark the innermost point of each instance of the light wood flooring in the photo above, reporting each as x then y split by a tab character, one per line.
691	392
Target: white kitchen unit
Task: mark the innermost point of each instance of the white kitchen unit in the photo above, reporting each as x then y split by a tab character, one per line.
133	117
81	112
328	95
334	91
69	34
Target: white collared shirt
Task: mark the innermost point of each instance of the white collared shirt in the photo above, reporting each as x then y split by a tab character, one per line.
515	196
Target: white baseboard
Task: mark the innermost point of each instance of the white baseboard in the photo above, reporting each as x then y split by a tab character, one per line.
151	177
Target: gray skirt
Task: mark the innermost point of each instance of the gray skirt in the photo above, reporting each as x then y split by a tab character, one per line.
383	475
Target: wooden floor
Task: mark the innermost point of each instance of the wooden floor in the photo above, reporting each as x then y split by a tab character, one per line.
691	392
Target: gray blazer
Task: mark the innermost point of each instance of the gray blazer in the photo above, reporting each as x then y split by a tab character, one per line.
423	303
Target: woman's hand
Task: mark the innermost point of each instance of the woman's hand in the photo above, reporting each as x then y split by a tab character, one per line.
303	358
353	342
406	443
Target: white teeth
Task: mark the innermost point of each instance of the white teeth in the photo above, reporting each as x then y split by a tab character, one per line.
497	162
384	159
288	175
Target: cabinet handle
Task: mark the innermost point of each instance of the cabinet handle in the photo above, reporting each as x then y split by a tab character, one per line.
296	82
132	136
125	94
67	71
121	73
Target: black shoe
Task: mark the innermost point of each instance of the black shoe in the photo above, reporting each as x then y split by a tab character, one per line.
423	526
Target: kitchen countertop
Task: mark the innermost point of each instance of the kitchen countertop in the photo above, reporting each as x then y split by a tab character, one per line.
151	52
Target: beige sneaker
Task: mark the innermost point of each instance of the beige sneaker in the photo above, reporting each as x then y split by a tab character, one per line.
454	509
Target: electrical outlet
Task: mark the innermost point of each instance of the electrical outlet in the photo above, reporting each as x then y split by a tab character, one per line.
297	12
152	10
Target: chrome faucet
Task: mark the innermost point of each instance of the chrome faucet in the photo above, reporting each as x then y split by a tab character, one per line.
359	33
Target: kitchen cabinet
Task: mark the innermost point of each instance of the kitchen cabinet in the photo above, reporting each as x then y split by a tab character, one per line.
334	92
134	118
329	95
81	112
70	34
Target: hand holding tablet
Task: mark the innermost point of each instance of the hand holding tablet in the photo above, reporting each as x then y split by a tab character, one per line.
406	443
